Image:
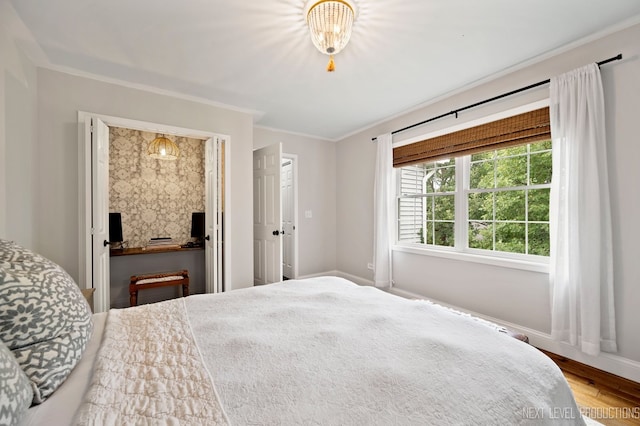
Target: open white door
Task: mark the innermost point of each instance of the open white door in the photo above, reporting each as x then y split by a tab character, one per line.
212	208
288	219
100	214
220	146
267	217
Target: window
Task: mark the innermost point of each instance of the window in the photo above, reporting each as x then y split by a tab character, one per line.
426	208
508	199
493	200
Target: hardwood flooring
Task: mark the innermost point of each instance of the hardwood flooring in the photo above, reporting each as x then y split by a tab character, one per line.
609	399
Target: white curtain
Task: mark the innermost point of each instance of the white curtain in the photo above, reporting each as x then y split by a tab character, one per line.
581	268
383	195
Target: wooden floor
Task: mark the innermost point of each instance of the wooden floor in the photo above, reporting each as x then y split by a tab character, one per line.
609	399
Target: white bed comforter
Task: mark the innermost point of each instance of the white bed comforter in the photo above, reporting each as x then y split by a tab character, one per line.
328	352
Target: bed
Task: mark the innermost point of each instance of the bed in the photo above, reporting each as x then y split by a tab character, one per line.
317	351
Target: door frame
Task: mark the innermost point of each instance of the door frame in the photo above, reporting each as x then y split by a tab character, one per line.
85	192
294	161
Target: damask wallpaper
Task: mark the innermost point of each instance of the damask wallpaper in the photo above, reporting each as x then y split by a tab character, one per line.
155	197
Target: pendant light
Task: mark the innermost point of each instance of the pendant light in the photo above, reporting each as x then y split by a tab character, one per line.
162	148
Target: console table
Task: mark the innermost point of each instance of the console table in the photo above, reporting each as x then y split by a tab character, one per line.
126	263
145	250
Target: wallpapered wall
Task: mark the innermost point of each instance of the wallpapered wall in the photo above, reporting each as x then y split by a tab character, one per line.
155	197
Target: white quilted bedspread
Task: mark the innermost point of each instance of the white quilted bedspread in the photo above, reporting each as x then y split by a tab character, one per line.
149	371
321	351
324	351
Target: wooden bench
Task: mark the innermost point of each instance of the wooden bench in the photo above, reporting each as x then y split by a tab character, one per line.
164	279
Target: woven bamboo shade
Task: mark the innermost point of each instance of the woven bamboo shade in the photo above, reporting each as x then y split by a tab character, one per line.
519	129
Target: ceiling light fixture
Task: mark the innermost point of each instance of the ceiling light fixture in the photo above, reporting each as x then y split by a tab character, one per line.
330	24
162	148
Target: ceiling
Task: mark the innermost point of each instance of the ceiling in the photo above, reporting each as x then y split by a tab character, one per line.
257	55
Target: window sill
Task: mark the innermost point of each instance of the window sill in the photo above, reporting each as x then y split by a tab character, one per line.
503	262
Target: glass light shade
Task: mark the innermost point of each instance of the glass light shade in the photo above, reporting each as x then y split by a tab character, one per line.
162	148
330	24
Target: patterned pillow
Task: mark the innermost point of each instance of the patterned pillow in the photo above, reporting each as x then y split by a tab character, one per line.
11	252
44	319
15	392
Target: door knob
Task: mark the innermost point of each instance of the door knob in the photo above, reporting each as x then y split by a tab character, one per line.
276	232
207	238
106	243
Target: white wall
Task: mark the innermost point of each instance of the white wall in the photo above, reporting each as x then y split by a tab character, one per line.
518	297
18	116
61	96
3	137
316	192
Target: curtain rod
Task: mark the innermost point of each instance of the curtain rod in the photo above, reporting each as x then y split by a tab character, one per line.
504	95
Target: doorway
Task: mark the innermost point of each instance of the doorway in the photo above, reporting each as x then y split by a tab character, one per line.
94	199
274	215
289	200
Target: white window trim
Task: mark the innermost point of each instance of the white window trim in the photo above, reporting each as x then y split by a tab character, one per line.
461	251
471	256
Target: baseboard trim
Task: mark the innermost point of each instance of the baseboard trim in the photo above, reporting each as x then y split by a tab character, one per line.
354	278
610	363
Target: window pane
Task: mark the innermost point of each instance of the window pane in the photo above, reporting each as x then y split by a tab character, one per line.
428	208
449	162
447	179
421	235
510	237
514	150
409	219
482	176
510	205
539	239
430	185
443	235
409	232
540	168
511	171
444	207
440	179
429	233
483	155
481	235
540	146
411	179
539	205
481	206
